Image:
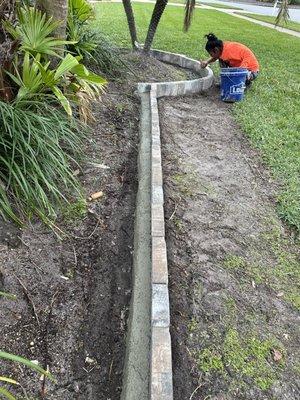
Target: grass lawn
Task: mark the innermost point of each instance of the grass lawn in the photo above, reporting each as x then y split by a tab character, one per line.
219	5
199	2
295	26
270	114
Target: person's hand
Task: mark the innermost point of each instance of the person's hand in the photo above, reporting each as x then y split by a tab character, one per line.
203	64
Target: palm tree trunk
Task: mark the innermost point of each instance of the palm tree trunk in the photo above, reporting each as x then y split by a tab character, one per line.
7	49
131	22
283	13
159	8
58	9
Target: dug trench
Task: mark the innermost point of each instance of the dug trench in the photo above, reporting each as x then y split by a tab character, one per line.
233	265
72	294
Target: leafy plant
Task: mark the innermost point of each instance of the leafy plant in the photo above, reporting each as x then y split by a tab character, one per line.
34	75
37	145
34	31
83	40
89	44
20	360
107	57
80	10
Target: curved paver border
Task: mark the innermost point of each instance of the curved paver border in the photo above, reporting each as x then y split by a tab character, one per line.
161	377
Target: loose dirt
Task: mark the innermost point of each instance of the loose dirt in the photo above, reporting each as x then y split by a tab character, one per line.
72	295
234	268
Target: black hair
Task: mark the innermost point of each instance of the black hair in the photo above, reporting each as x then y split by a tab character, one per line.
213	42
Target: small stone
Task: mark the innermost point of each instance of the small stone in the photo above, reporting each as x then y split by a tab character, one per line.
277	355
89	360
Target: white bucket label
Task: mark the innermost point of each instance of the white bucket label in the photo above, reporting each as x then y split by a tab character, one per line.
237	89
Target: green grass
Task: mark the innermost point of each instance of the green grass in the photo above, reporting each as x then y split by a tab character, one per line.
295	26
219	5
270	114
199	3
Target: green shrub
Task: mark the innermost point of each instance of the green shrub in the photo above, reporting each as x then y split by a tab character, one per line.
37	145
34	74
93	46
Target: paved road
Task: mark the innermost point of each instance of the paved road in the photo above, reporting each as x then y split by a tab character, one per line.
294	12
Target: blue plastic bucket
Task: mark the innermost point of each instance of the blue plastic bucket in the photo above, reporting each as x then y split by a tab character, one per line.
233	84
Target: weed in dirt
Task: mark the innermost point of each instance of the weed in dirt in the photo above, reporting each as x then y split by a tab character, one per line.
184	182
231	306
286	274
75	211
234	262
192	326
282	277
248	272
178	224
209	360
188	184
248	357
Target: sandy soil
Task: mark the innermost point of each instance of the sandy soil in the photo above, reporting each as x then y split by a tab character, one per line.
234	268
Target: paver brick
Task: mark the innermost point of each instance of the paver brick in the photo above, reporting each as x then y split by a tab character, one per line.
160	311
159	261
157	220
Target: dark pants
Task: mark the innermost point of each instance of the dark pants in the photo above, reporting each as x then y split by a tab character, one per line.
250	78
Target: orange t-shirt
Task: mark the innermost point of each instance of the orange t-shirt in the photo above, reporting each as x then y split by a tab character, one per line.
238	55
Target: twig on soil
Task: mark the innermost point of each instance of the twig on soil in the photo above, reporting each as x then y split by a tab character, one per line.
110	369
88	237
174	212
29	300
75	257
197	388
23	242
124	230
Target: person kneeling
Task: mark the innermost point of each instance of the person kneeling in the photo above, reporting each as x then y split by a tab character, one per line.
231	55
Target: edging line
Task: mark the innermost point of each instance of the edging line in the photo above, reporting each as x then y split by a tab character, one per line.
158	385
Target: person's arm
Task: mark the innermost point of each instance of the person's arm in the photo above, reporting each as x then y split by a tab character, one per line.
204	64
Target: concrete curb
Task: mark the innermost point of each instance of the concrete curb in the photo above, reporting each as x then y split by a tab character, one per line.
160	379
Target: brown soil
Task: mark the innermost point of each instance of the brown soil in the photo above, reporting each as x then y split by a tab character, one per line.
234	268
72	295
